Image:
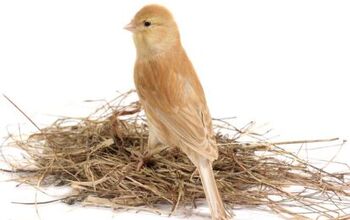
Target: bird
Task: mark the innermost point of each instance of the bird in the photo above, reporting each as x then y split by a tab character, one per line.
173	98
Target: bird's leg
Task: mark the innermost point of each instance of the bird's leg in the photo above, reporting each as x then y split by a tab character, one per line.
154	147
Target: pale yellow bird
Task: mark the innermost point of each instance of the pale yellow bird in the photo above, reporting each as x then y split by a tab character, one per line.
173	98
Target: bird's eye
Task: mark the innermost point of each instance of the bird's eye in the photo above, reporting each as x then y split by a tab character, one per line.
147	23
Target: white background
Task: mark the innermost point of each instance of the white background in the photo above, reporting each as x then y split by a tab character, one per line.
285	63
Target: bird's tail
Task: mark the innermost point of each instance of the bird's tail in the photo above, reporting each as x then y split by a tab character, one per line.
212	194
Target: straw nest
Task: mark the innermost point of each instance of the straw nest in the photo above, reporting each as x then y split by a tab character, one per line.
97	157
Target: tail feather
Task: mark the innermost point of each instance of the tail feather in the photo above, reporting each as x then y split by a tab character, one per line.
212	194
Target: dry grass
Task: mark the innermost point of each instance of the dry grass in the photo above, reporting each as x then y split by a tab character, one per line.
97	157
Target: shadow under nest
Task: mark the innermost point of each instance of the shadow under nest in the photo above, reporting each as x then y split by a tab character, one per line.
97	157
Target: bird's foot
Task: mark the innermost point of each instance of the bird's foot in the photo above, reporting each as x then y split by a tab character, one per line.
143	159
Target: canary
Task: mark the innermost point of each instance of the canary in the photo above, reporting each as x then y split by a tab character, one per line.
173	98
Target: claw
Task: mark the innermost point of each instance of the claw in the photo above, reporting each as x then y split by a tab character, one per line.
143	159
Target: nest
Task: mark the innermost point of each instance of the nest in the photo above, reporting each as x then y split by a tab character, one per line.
98	156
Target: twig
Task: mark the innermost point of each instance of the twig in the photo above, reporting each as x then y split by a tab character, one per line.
25	115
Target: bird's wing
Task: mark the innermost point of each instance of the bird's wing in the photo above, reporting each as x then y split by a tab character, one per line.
187	118
189	125
175	104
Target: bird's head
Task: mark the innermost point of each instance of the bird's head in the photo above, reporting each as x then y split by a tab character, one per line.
154	30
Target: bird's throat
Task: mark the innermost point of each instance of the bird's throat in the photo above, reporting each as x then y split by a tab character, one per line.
149	49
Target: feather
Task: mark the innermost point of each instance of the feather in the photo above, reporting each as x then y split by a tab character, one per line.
211	191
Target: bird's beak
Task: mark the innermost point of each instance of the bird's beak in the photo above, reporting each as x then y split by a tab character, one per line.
130	27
